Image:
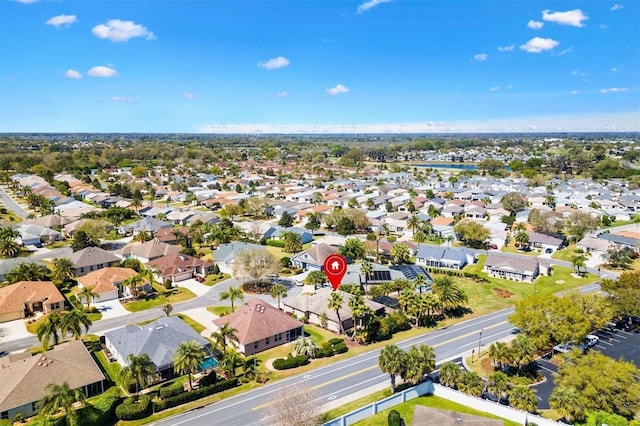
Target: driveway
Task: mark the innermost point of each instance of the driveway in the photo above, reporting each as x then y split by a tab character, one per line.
194	286
111	309
13	330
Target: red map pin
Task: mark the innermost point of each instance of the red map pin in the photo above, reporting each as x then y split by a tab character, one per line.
335	266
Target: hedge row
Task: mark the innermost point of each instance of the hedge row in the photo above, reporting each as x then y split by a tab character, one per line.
185	397
290	362
457	273
275	243
131	409
332	347
171	389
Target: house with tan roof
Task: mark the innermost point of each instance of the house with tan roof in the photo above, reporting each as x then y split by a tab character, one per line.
25	377
177	267
148	251
313	258
260	326
91	259
107	282
25	297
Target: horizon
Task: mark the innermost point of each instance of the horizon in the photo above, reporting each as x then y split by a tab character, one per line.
326	67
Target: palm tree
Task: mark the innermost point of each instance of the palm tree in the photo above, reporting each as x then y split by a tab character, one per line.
500	355
9	248
420	281
224	335
28	271
139	369
366	270
566	401
73	321
449	374
232	294
498	383
335	303
8	233
230	362
87	294
471	383
523	398
278	291
420	360
392	360
522	238
48	329
522	351
306	346
60	397
136	203
187	359
578	262
63	269
449	294
357	308
132	283
414	223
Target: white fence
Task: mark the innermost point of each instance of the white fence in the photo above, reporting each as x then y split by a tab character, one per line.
446	393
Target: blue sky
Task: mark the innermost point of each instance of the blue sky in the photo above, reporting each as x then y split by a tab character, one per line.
319	66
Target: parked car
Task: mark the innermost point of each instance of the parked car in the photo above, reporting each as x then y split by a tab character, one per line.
590	340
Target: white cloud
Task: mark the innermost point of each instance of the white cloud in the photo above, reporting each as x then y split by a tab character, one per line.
117	30
188	95
65	20
494	88
570	17
123	99
274	63
614	90
577	73
480	57
538	45
370	4
564	52
617	7
535	25
508	48
614	69
337	90
575	92
102	71
282	94
72	74
26	1
623	121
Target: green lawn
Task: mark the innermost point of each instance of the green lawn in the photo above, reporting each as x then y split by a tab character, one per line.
512	249
567	254
219	310
406	411
111	369
354	405
214	279
174	295
199	328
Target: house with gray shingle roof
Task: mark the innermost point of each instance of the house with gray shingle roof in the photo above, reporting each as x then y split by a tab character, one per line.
440	257
158	339
91	259
515	268
225	254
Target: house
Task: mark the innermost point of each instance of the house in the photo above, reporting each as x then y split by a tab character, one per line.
148	251
107	283
26	297
148	224
592	244
225	254
158	339
439	257
515	268
8	265
545	242
305	236
179	267
313	258
31	234
91	259
171	235
260	326
314	308
25	377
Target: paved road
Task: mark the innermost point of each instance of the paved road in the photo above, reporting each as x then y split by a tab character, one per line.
12	205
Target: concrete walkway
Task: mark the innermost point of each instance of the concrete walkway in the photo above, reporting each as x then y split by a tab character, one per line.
203	317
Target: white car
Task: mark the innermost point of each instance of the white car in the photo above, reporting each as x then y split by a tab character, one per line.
590	340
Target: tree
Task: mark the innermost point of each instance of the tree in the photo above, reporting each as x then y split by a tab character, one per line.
82	240
48	330
414	223
345	226
449	294
582	222
522	351
314	221
513	202
278	291
136	203
225	335
523	398
8	233
87	294
335	303
138	369
297	406
578	262
366	270
132	283
353	248
566	401
498	384
500	355
400	253
522	238
292	241
230	362
167	309
470	382
286	220
60	397
449	374
601	382
305	346
28	271
421	360
73	321
63	269
232	295
392	360
187	359
9	248
619	257
471	232
316	278
254	263
394	418
623	294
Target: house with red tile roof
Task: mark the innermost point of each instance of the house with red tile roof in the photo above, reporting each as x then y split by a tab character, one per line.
260	326
179	267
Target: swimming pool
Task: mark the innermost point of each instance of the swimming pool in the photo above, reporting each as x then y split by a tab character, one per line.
210	362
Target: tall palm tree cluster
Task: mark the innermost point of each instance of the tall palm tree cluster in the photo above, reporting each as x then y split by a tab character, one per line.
412	366
56	326
9	247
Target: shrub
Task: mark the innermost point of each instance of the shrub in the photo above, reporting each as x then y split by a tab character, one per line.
336	341
185	397
132	410
284	262
170	389
209	379
290	362
275	243
340	348
215	269
167	283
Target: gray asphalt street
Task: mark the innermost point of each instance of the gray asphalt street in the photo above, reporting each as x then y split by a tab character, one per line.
12	205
